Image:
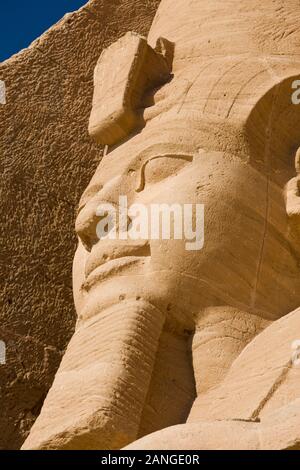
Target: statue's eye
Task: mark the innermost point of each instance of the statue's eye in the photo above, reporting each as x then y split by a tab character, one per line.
161	167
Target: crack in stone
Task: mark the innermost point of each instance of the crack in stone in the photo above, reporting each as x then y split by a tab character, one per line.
278	382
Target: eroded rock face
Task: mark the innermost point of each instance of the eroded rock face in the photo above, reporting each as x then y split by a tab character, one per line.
47	159
176	347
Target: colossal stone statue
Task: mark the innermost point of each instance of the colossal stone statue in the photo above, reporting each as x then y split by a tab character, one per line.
200	114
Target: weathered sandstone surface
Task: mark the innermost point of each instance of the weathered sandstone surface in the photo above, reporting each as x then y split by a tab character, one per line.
180	342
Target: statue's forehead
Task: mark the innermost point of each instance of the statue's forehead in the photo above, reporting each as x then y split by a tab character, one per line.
153	140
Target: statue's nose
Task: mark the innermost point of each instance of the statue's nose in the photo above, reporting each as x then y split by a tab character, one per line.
102	207
86	224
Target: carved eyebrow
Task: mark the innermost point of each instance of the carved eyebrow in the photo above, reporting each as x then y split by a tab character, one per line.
181	156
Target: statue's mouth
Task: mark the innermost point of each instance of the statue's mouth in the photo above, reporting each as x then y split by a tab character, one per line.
109	258
111	268
106	251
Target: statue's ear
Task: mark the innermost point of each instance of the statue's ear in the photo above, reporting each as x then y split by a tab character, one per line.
124	73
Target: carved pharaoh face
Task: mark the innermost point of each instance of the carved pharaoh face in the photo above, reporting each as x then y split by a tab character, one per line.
185	152
160	324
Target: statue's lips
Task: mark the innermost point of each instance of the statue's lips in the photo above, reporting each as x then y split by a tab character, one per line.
111	268
106	251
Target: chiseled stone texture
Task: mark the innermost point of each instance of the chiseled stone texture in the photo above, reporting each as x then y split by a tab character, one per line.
47	159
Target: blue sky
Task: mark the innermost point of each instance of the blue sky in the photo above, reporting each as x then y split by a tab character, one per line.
22	21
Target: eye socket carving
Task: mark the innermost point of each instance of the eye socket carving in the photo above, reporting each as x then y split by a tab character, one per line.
142	182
